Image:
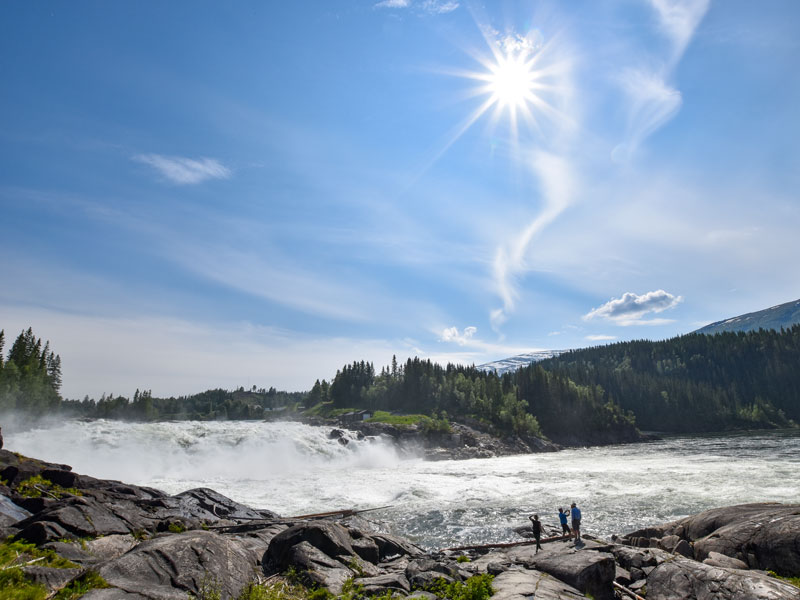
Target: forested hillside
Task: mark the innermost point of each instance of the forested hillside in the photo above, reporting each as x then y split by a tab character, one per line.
696	382
528	402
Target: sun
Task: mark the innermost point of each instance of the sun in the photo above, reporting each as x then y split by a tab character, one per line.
511	81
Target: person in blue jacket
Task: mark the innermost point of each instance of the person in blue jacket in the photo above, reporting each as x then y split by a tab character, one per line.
576	522
562	516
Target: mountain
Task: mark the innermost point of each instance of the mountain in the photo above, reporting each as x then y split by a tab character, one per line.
782	315
507	365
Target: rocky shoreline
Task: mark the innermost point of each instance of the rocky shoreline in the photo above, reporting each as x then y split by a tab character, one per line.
463	441
140	543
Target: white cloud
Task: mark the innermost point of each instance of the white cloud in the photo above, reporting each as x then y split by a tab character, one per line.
600	338
630	308
451	334
393	4
181	170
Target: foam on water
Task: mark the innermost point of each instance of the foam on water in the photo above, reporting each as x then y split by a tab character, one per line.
293	469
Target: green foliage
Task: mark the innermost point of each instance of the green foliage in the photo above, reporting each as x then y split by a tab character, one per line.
382	416
795	581
35	486
20	551
477	587
463	559
696	382
176	527
209	589
88	581
30	377
15	586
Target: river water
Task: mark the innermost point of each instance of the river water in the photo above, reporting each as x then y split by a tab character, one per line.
295	469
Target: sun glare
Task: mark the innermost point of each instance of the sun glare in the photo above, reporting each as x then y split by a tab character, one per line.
511	81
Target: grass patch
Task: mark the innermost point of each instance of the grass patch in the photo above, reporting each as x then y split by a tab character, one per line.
35	486
381	416
176	527
88	581
463	558
15	586
795	581
20	552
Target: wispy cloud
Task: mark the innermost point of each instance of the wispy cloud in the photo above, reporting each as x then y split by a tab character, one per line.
433	7
652	100
600	338
679	20
182	170
557	181
439	7
630	308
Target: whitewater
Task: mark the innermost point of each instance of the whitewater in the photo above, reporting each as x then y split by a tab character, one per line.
295	469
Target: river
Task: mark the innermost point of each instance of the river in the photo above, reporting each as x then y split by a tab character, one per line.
295	469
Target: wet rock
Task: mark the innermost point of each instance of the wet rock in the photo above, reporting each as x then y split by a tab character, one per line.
172	565
685	579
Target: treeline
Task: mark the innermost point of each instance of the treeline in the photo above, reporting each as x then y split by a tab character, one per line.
211	405
530	401
696	382
30	376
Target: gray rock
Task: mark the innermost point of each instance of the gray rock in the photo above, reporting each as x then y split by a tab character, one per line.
422	595
392	545
590	572
367	549
668	542
111	594
318	567
425	579
374	586
172	565
71	551
525	584
622	576
10	512
715	559
330	538
685	579
111	546
684	548
53	579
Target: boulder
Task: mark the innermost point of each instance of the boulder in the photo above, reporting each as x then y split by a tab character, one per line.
685	579
318	568
10	512
174	565
111	594
367	549
392	545
590	572
52	578
392	582
684	548
525	584
330	538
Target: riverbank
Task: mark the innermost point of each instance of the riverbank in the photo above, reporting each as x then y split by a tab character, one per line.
143	543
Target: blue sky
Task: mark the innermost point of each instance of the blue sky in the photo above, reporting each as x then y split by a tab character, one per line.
196	194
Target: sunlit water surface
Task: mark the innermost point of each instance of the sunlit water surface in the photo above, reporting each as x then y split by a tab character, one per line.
296	469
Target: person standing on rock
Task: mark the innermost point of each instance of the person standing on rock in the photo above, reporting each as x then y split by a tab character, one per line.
562	516
537	531
576	522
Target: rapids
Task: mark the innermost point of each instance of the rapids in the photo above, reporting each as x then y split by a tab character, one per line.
295	469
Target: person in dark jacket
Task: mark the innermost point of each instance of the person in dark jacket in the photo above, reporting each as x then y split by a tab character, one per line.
576	522
537	531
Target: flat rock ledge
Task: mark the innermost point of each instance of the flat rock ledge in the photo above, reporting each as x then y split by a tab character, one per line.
148	545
